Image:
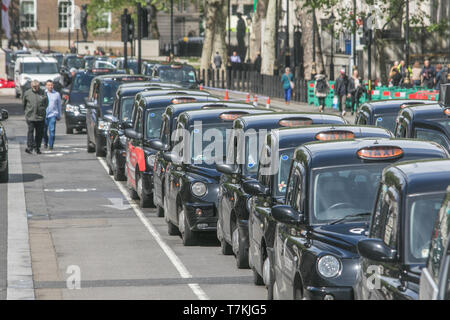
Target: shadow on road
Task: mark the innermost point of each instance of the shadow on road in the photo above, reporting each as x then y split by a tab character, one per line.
26	177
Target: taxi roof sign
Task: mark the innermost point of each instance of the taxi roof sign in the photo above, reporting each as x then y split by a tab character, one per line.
334	135
297	122
380	153
231	116
183	100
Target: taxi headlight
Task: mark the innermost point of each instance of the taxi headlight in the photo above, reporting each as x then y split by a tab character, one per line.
328	266
123	140
103	125
151	160
199	189
72	108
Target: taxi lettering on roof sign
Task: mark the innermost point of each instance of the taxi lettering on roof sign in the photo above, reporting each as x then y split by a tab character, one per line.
295	122
382	153
335	135
176	66
230	116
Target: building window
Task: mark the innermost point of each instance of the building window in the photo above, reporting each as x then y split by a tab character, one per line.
28	14
65	15
104	22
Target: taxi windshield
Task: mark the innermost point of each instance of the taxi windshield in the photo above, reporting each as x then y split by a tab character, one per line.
108	91
153	122
211	147
434	136
40	68
282	176
75	62
423	211
126	108
82	82
387	121
182	74
337	192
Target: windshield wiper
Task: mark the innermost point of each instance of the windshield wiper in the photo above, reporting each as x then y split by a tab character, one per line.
351	216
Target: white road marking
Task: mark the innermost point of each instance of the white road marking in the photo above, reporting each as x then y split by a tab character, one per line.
117	203
70	190
178	264
19	271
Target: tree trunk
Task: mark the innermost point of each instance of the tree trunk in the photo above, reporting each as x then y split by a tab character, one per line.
306	20
319	55
220	33
255	36
212	10
268	58
154	22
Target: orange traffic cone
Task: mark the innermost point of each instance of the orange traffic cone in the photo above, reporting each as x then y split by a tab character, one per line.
248	98
201	87
226	95
268	103
255	101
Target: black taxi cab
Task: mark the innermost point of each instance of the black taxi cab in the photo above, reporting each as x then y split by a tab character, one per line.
272	184
435	277
430	122
146	126
99	103
329	200
191	180
408	201
383	113
4	168
121	119
183	74
165	143
232	224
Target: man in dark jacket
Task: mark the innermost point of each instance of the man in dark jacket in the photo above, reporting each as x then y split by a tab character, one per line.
341	90
34	105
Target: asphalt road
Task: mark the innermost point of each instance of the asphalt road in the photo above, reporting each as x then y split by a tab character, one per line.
81	226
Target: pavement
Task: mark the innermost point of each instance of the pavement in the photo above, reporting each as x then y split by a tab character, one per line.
69	231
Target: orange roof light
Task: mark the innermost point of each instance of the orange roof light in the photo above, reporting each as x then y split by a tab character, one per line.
334	135
230	116
380	153
176	66
183	100
132	79
447	111
295	122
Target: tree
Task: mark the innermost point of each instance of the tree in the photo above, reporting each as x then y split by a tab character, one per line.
268	56
255	35
215	31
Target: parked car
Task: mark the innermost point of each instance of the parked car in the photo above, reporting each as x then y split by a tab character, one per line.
232	225
408	201
70	61
329	201
431	122
99	104
4	168
183	74
435	278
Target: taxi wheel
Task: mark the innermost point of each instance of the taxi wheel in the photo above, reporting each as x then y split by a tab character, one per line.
268	278
257	279
99	152
118	176
160	211
227	250
133	193
189	237
69	130
172	230
144	200
298	294
4	175
89	146
239	250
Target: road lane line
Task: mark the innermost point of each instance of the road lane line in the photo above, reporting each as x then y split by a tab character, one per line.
19	271
182	270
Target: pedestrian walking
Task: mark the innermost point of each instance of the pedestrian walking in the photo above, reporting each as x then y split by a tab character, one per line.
391	72
353	86
287	80
321	89
416	74
428	75
396	78
439	72
218	60
257	62
53	114
341	90
34	105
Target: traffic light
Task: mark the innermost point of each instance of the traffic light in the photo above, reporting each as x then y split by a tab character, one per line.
367	30
145	22
130	29
127	28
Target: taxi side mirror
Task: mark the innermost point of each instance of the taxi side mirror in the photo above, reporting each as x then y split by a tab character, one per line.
170	156
132	134
4	115
376	250
158	145
227	168
254	188
287	215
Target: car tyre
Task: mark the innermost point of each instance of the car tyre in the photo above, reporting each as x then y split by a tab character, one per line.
226	249
257	279
160	211
99	152
188	236
69	130
118	175
144	200
239	250
4	175
89	147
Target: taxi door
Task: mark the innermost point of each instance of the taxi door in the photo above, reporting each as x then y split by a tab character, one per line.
160	165
135	154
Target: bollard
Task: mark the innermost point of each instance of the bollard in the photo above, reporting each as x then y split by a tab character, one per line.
226	95
255	101
201	87
268	103
248	98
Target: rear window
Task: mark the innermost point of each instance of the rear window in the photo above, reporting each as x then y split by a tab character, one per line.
183	74
75	62
82	82
39	68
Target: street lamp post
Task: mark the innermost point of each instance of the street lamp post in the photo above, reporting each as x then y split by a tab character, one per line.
331	21
407	35
314	35
171	26
354	33
288	50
